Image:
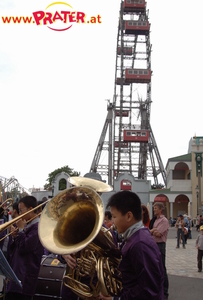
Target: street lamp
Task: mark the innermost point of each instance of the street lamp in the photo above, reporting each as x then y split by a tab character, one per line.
197	192
53	182
198	159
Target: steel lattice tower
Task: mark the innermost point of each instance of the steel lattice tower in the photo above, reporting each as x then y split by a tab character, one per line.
127	143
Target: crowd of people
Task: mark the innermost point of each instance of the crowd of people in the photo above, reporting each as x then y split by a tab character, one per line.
141	240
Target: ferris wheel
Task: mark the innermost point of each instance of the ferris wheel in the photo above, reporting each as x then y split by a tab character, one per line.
127	141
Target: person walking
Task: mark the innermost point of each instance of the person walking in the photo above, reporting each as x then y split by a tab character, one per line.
190	224
199	246
159	232
180	224
197	223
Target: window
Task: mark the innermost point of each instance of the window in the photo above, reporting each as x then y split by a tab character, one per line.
128	133
62	185
144	134
130	71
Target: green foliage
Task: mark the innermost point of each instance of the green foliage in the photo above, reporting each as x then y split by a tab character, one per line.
53	174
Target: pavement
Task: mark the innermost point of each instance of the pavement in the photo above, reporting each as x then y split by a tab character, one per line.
182	262
185	282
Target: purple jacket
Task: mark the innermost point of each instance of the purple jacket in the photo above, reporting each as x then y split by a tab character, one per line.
141	267
25	260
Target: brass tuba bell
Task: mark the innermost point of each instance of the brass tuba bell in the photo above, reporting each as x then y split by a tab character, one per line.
72	223
71	220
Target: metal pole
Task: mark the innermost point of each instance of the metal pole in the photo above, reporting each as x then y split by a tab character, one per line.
199	194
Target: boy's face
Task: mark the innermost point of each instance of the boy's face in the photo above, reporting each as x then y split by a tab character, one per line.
201	231
23	209
119	220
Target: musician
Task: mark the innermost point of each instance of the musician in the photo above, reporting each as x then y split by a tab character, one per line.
15	210
141	264
26	250
8	239
108	219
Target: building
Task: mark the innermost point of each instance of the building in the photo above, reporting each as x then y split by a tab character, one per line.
127	182
183	194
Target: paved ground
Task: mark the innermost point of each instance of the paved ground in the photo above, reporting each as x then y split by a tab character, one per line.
182	262
185	283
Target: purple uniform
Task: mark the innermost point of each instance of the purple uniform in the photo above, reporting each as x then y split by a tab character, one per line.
142	268
25	260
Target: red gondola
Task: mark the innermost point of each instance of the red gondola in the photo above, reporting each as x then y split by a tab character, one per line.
137	75
137	27
138	136
134	5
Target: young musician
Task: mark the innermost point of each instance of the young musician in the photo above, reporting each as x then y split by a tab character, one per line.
141	265
27	252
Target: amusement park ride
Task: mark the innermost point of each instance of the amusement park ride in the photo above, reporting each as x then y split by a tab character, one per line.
11	188
127	143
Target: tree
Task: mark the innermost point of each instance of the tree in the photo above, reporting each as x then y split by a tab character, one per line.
52	175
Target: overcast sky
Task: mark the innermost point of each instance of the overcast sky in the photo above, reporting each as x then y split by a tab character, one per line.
54	85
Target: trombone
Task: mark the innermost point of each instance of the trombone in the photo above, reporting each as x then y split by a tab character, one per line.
11	222
8	201
17	227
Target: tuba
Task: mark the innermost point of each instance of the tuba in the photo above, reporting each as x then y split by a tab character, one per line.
72	223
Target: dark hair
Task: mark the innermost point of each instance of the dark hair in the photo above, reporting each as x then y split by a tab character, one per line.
145	216
108	213
15	206
125	201
28	201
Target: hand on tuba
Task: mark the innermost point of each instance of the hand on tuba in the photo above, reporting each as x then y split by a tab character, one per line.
70	260
102	297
